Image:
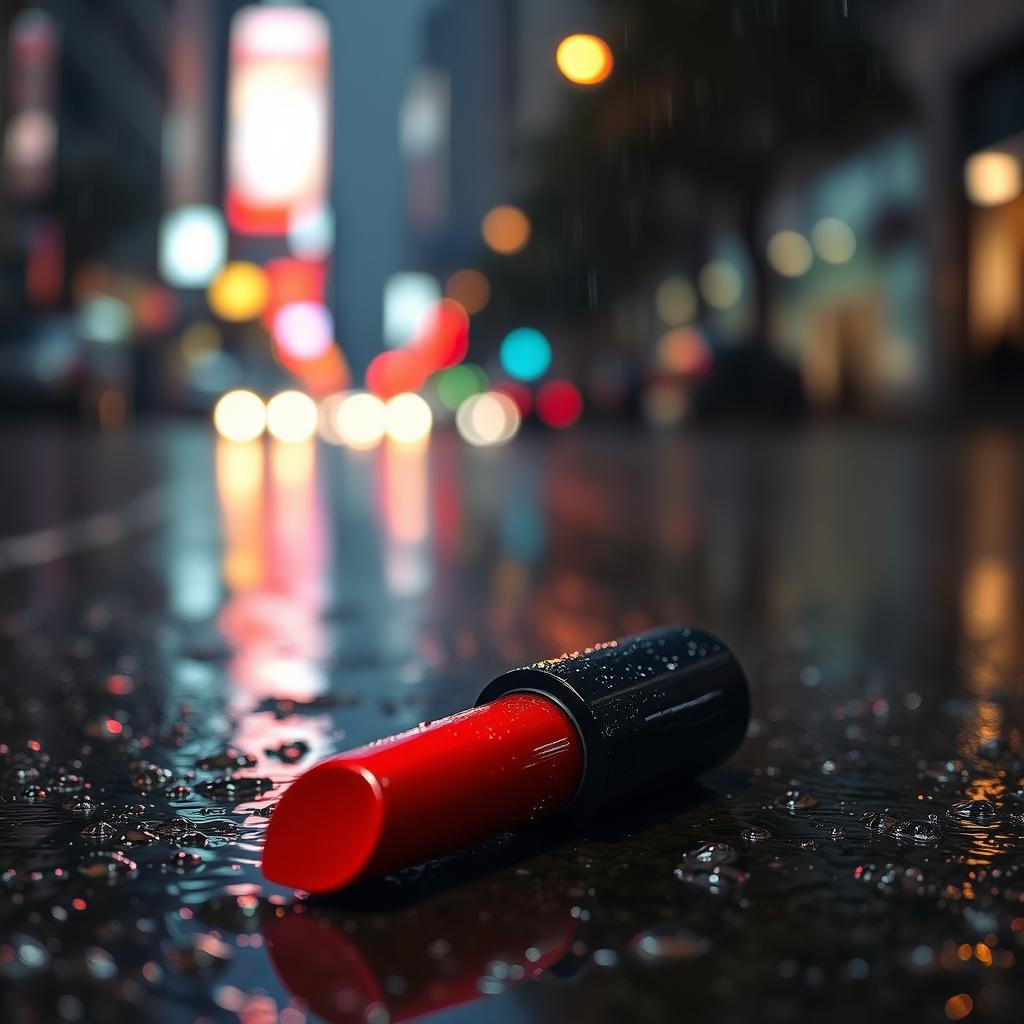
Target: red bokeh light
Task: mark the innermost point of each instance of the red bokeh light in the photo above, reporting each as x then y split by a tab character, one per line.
393	372
442	339
155	308
559	404
291	281
321	376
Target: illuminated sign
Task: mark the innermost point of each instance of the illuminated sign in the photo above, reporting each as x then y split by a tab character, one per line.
278	117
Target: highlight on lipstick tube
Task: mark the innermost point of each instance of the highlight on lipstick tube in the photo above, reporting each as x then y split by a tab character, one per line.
561	738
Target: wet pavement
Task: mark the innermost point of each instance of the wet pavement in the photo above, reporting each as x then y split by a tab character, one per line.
185	625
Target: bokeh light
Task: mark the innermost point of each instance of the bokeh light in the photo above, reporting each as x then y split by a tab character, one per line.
327	417
359	420
834	240
442	338
304	330
992	178
676	301
664	404
391	373
291	416
584	59
408	297
240	416
105	319
720	284
239	292
291	281
470	288
684	351
154	308
559	404
790	254
407	418
506	230
458	383
490	418
525	353
193	245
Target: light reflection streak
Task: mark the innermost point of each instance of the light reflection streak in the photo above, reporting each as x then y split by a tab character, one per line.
988	615
403	495
274	564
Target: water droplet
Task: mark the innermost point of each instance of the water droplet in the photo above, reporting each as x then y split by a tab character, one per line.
140	836
755	835
718	880
228	760
876	821
289	753
923	832
667	943
229	788
108	867
152	777
196	839
796	800
101	832
221	828
174	827
709	854
81	806
182	861
980	811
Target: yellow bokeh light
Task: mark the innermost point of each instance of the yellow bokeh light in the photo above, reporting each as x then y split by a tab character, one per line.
407	418
470	289
584	59
239	292
790	254
240	416
291	417
992	178
506	230
676	301
359	421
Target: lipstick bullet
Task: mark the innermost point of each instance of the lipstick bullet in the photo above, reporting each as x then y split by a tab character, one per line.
558	740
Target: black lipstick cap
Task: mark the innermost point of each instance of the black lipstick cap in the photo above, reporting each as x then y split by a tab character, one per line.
652	709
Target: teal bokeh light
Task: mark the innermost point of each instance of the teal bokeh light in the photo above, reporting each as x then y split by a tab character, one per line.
525	354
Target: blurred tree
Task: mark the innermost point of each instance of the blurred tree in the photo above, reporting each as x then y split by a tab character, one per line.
707	101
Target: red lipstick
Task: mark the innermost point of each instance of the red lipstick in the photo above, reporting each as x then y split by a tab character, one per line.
563	737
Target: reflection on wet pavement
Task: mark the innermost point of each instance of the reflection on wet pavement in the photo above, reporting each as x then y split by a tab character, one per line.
171	662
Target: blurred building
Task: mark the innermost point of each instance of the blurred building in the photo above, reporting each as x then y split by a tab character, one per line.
966	69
